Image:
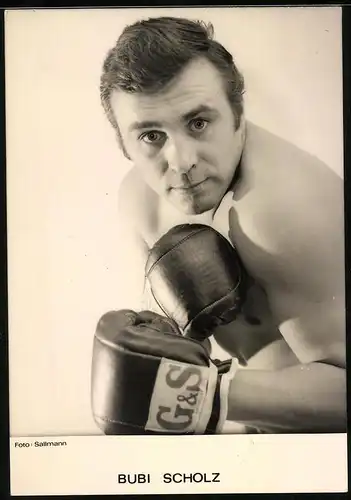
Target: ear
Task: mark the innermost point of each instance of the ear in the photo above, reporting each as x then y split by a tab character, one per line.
242	128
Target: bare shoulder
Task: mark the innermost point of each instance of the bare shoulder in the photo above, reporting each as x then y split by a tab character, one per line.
280	164
137	204
292	230
133	192
301	210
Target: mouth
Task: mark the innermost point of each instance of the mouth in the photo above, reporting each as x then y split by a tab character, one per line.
190	187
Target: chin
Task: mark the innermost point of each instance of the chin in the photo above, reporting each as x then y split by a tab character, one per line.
193	210
194	207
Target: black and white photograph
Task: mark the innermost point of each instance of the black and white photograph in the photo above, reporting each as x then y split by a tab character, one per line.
176	248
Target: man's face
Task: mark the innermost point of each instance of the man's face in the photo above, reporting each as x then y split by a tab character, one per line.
183	139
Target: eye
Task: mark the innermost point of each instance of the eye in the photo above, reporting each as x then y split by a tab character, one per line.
198	124
152	137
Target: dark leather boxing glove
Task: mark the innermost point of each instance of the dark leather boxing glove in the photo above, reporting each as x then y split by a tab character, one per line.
147	378
196	277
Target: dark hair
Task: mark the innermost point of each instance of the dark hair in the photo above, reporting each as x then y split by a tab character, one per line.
150	53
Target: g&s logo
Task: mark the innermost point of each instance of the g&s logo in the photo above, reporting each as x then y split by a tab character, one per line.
178	397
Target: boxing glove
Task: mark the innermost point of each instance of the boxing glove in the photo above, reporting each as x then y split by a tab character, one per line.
197	279
147	378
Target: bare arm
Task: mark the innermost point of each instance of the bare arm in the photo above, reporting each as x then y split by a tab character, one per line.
302	398
256	344
136	215
132	248
307	397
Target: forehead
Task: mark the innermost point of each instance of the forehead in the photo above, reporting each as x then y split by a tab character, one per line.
198	84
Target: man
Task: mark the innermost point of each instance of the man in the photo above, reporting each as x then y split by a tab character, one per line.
175	99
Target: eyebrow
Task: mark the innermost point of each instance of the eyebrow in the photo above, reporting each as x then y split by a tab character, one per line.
203	108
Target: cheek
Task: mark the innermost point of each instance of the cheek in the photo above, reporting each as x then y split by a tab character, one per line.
230	138
221	146
151	170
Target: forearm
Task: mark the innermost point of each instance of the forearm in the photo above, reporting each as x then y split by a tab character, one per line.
301	398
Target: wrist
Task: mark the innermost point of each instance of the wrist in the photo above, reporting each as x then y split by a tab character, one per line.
225	382
226	372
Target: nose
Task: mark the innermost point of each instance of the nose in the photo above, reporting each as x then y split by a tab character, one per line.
181	155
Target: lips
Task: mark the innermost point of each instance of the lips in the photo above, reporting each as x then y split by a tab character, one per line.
190	187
